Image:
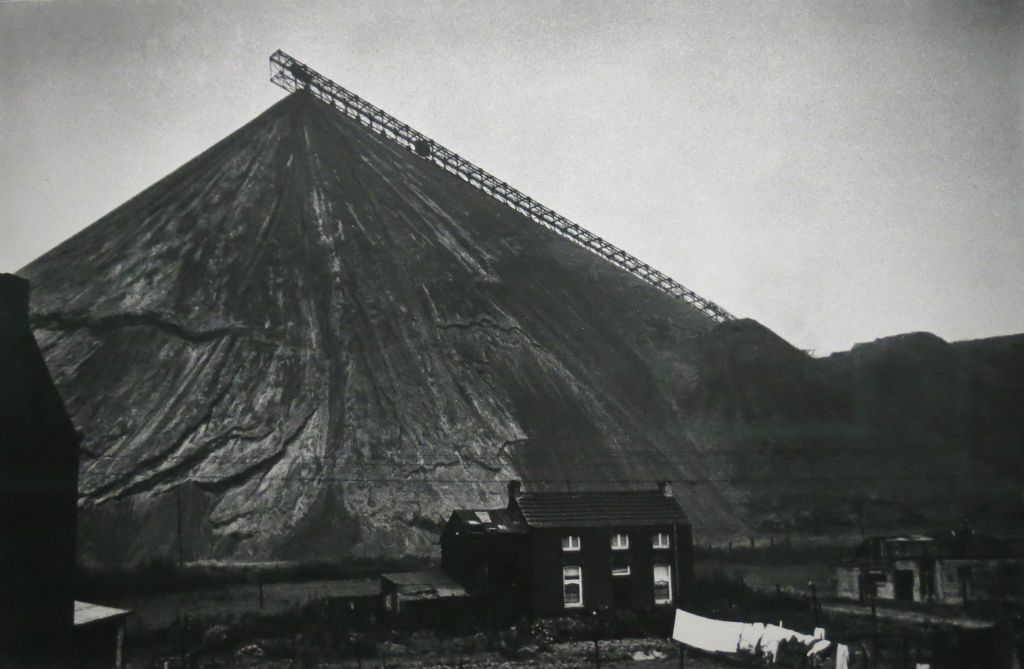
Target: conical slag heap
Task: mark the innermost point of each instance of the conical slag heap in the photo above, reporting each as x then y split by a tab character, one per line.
309	343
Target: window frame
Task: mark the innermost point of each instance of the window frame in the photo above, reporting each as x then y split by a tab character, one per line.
656	543
567	545
577	580
619	535
623	571
662	601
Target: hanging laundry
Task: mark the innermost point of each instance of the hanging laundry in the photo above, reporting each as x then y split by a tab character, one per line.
842	656
750	637
774	635
716	636
818	647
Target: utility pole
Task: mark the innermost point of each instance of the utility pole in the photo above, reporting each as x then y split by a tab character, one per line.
815	608
874	625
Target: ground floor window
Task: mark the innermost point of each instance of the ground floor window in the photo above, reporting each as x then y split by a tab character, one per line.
662	584
572	587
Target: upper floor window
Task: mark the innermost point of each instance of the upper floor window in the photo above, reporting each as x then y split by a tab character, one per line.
662	584
620	541
660	540
571	542
572	587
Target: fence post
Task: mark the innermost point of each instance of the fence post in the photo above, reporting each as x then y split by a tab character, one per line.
181	640
874	632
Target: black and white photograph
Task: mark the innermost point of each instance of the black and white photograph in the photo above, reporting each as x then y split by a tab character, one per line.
386	334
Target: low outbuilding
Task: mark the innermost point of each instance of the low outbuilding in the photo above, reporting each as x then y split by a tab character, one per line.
422	597
946	567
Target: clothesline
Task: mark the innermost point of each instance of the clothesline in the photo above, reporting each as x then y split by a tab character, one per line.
720	636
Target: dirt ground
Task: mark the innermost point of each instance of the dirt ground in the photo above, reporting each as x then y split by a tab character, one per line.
155	612
764	574
620	653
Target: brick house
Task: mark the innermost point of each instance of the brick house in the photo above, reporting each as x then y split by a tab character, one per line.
557	553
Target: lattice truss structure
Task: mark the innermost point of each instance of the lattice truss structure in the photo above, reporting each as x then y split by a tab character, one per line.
293	75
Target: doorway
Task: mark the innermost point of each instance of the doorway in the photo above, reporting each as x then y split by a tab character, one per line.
903	585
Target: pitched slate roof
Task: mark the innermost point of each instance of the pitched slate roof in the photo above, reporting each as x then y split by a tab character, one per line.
600	509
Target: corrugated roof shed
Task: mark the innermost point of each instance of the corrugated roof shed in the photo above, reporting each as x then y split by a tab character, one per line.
420	585
598	509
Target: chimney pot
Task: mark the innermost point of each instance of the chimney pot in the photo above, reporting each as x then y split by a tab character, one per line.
665	488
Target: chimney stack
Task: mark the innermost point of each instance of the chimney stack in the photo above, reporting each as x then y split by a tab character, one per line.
13	303
665	488
514	488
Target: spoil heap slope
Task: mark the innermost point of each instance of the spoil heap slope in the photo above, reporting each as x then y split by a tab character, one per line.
315	344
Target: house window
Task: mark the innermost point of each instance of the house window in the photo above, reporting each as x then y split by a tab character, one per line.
572	587
621	570
620	541
571	542
660	540
662	584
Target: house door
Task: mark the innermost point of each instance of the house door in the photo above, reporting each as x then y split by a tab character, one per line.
622	593
903	585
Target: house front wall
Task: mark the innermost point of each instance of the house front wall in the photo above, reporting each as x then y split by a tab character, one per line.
596	558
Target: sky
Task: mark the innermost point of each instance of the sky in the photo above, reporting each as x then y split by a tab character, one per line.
838	171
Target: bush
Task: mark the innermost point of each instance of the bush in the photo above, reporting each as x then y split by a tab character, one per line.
621	625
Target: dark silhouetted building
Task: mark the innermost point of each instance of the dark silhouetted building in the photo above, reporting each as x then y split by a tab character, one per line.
38	490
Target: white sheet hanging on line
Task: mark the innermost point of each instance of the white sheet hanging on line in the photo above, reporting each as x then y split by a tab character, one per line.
842	656
716	636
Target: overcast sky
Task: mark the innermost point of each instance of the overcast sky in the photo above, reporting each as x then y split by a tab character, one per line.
839	171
